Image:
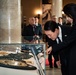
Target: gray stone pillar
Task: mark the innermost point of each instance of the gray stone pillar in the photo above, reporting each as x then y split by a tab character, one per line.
57	8
10	21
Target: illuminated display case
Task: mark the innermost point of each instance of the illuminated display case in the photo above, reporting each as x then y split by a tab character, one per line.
21	59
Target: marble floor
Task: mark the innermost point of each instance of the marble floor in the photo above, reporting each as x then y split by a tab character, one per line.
53	71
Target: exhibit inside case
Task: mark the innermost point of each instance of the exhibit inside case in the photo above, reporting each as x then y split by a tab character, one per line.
22	58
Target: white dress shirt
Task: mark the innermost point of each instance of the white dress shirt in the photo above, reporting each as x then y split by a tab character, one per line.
60	35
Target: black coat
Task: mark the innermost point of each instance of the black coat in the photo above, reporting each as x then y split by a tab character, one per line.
65	32
64	54
29	32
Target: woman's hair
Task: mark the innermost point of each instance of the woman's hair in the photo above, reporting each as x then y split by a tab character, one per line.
50	25
70	10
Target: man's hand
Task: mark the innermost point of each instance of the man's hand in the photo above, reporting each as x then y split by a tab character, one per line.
48	51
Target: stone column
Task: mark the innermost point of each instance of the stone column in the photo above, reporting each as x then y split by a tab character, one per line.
57	8
10	21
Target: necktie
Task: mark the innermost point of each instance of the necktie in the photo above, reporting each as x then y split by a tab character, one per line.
34	29
59	39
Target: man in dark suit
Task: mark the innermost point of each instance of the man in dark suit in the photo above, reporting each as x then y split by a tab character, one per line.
57	34
33	31
70	41
51	42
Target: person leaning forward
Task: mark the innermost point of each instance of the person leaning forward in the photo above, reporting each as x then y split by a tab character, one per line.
58	34
70	41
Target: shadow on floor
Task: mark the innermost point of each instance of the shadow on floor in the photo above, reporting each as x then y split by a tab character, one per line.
53	71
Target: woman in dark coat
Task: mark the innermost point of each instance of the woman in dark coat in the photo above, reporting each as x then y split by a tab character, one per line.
70	42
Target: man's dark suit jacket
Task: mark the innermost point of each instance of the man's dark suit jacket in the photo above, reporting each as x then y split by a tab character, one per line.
70	43
64	54
65	32
29	33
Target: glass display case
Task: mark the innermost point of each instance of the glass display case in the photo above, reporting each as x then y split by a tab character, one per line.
22	59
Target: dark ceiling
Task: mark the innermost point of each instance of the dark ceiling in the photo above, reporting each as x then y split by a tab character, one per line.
45	1
64	1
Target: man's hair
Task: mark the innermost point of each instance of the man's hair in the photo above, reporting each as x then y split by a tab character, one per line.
50	25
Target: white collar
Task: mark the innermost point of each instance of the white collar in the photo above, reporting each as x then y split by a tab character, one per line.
36	24
60	34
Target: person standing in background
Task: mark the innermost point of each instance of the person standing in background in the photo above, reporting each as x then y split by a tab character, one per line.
29	33
33	30
60	20
39	27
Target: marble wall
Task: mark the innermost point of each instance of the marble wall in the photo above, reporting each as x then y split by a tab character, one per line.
10	21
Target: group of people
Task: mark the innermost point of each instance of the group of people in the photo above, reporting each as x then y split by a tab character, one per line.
63	40
33	31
